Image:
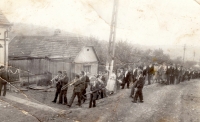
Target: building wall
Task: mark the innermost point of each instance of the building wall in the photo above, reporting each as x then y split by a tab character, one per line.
41	66
93	68
2	30
85	60
87	54
55	66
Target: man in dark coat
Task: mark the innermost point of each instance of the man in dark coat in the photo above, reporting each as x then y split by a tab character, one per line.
127	78
77	91
150	71
63	93
170	74
139	86
87	81
180	74
175	73
58	85
135	74
94	87
4	78
189	75
83	85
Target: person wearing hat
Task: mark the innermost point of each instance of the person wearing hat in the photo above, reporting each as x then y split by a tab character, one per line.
4	78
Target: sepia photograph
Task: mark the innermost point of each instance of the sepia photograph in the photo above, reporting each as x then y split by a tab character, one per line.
99	60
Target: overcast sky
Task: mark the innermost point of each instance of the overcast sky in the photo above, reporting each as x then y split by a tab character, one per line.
146	22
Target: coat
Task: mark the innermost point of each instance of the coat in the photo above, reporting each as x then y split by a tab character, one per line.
94	87
87	81
135	73
156	72
64	81
78	85
83	82
170	71
150	70
4	75
111	85
140	82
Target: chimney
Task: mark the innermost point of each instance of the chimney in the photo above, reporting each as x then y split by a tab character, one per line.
57	32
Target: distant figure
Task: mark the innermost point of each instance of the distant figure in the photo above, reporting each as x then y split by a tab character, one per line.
139	86
58	85
120	78
111	85
126	80
180	74
175	74
150	72
4	78
156	73
163	70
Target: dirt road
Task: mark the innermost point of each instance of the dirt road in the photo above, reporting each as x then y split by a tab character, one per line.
162	103
172	103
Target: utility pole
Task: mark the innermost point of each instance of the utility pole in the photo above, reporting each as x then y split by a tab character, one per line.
184	48
111	48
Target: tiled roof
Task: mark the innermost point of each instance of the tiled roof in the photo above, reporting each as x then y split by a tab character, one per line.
49	46
22	46
3	19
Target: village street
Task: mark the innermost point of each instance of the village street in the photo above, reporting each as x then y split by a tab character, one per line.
172	103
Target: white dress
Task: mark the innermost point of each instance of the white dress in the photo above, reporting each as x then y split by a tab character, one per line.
111	84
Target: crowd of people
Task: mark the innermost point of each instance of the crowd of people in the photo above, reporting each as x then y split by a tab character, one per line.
104	84
101	85
81	82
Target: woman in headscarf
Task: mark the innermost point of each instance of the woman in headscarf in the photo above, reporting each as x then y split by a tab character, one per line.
111	85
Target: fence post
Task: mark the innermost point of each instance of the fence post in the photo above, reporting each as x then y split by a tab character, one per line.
28	79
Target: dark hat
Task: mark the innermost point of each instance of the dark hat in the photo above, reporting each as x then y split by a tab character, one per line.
1	67
140	72
82	72
77	76
60	72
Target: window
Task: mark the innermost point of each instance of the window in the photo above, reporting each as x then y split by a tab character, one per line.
87	68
